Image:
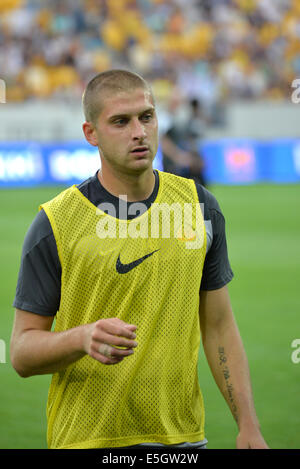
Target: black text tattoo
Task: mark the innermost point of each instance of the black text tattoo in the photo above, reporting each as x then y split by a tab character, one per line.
229	386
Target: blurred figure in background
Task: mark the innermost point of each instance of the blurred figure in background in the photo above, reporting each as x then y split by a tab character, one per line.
181	140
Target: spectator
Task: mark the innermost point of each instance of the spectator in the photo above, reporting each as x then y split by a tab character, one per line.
247	49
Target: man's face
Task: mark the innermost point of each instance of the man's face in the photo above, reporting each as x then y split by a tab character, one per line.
126	131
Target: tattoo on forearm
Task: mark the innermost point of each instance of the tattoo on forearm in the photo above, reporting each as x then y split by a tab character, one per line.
229	386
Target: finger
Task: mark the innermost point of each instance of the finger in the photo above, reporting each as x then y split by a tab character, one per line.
117	353
107	361
123	323
113	353
104	349
104	359
103	330
115	340
117	327
131	327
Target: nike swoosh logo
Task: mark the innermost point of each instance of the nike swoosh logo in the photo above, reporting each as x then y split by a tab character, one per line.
125	268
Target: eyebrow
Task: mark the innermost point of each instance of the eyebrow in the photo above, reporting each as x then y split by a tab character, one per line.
120	116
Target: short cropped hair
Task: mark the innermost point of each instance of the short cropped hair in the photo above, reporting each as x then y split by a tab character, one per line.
107	83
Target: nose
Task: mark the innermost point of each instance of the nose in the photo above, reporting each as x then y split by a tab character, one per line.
138	130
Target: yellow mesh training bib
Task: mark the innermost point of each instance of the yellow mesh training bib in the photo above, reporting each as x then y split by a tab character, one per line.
147	272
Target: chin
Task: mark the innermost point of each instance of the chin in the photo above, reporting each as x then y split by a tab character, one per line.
141	164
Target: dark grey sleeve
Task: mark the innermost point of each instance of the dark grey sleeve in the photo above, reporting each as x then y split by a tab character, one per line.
39	280
217	271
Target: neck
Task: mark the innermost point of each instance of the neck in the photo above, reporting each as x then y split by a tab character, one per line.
136	187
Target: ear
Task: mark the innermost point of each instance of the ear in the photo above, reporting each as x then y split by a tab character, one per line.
90	133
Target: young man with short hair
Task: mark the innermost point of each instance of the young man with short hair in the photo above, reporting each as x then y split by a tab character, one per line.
133	274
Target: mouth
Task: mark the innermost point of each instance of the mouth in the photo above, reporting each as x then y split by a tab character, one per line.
140	151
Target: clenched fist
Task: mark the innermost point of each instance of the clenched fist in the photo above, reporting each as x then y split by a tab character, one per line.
104	337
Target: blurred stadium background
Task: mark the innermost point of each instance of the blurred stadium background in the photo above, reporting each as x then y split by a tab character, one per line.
237	59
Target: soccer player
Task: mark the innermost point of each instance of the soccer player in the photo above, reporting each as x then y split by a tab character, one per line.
131	287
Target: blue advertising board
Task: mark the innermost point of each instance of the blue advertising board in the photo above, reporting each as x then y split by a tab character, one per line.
250	161
226	162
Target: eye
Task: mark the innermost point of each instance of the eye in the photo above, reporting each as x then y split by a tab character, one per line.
121	121
147	117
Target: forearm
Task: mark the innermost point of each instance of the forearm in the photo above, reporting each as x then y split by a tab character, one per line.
174	153
228	362
35	350
45	352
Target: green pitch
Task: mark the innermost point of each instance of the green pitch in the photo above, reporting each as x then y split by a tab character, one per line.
263	226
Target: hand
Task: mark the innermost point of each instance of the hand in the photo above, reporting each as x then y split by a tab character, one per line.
104	336
184	158
197	164
250	440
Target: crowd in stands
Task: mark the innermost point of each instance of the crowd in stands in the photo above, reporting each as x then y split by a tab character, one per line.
212	50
